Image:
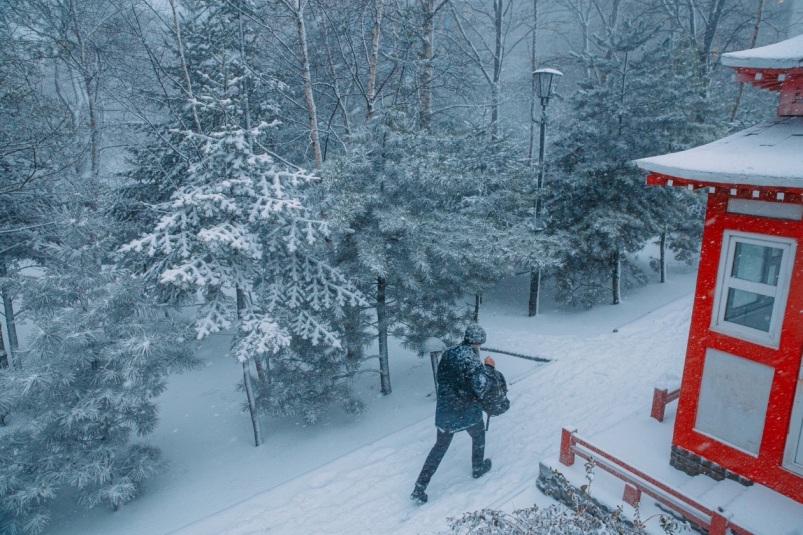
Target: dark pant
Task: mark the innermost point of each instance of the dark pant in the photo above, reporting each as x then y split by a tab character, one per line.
477	433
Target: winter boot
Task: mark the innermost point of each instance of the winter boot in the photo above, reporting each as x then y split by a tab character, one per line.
486	466
419	496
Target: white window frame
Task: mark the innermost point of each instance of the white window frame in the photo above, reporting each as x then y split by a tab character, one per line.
794	436
779	292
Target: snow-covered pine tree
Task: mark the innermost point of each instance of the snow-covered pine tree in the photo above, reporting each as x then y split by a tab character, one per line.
36	143
243	233
97	358
641	99
433	216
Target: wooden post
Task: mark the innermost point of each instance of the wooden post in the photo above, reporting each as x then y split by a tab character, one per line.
566	453
660	399
662	266
659	404
719	525
632	495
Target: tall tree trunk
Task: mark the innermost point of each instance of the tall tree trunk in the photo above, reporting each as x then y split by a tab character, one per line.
94	133
3	365
477	303
712	23
11	326
184	72
249	389
663	255
534	304
617	277
353	325
497	73
382	326
339	100
427	51
298	11
261	375
249	392
533	81
241	304
89	82
11	323
245	87
3	354
373	60
692	22
756	27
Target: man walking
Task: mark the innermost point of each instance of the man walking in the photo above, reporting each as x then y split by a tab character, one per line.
463	381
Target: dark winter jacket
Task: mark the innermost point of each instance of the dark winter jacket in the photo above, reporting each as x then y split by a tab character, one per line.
462	383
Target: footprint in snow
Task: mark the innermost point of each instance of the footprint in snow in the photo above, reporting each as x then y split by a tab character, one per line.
322	479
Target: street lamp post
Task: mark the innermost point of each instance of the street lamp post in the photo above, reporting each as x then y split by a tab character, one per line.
546	81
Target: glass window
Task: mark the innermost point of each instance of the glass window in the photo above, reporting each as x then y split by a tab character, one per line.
752	285
757	263
749	309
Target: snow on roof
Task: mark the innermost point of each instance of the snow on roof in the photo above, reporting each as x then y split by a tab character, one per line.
784	55
550	71
767	154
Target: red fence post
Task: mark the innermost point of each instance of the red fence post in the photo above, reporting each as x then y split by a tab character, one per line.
659	404
566	453
632	495
719	525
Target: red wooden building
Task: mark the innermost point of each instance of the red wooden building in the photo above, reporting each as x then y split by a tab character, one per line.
740	411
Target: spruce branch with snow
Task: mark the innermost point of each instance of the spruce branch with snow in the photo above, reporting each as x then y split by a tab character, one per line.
639	99
99	355
433	216
245	234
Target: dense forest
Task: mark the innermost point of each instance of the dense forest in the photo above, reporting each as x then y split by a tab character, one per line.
318	176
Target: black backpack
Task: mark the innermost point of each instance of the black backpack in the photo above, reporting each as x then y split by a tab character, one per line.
495	401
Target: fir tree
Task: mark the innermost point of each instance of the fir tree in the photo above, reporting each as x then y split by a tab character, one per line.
641	99
242	232
433	216
98	357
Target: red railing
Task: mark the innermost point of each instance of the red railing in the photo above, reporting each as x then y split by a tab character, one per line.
637	482
660	399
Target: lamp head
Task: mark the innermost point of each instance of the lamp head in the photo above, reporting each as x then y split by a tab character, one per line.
546	81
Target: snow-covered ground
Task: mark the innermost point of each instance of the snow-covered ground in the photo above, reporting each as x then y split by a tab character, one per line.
353	474
645	443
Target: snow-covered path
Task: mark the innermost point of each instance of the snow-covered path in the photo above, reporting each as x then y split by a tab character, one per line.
218	478
597	382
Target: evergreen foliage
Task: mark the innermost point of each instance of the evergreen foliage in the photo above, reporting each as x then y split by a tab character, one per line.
98	357
439	215
416	208
641	98
243	233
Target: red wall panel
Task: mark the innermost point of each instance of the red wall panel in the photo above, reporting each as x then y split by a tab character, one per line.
766	468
